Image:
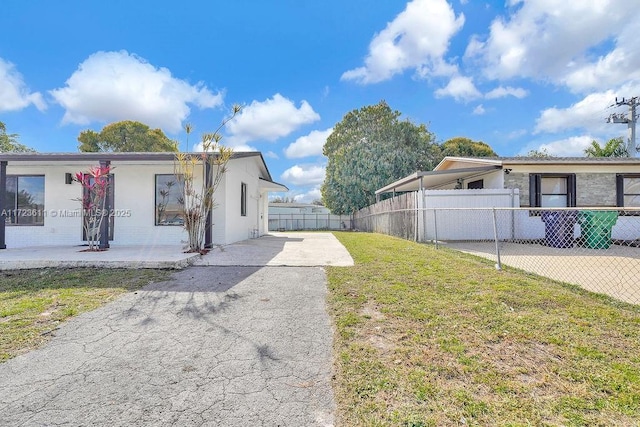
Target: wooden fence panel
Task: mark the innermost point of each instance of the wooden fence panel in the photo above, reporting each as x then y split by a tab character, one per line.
395	217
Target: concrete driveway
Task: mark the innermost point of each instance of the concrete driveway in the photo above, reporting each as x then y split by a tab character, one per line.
214	346
302	249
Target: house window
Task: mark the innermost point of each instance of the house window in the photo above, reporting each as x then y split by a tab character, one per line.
243	199
476	185
552	190
24	200
628	190
168	210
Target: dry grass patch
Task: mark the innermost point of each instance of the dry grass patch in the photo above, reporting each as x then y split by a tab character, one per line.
429	337
34	302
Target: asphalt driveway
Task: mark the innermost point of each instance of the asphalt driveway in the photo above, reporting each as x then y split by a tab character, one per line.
215	346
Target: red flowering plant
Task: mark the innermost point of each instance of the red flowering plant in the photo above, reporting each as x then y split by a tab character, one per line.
95	187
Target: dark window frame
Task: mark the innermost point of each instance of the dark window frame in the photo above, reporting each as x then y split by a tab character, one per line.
620	193
243	199
14	209
535	189
155	201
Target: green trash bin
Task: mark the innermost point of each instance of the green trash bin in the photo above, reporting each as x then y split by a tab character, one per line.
596	228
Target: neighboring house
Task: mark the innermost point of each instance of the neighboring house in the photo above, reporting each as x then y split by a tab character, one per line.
41	204
513	182
541	182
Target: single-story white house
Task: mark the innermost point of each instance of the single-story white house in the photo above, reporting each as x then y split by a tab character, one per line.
40	204
521	182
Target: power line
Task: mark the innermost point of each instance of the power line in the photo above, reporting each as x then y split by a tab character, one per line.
629	119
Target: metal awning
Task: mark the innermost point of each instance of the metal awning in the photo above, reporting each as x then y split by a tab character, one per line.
432	179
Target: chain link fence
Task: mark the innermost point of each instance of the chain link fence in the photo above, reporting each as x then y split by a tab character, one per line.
312	221
596	248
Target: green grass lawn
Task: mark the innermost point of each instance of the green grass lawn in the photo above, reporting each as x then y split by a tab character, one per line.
34	302
429	337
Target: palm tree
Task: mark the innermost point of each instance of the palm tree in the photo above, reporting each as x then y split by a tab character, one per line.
615	147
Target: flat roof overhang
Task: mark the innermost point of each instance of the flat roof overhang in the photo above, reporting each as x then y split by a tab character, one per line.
105	155
271	185
433	178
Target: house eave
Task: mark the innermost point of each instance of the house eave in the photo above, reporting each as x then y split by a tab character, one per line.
271	185
412	182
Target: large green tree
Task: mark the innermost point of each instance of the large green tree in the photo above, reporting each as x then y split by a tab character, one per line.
370	148
9	142
465	147
126	136
615	147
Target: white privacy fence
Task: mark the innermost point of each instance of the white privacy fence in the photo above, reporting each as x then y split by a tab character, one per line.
596	248
308	221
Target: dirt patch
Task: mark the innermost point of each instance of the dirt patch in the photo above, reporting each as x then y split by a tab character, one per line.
370	310
381	343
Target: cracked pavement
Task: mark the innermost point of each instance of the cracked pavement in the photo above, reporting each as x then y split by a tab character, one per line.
213	346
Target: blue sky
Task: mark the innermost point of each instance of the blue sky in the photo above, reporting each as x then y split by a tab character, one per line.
516	74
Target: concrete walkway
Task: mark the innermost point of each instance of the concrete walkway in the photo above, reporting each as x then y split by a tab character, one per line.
215	346
613	271
152	256
274	249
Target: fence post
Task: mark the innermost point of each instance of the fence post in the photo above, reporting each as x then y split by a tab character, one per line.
435	228
495	236
417	218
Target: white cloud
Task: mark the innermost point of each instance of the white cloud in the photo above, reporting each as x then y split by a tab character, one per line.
460	88
589	113
515	134
236	148
269	120
479	110
308	196
113	86
304	175
308	145
586	45
271	155
568	147
417	38
501	92
15	94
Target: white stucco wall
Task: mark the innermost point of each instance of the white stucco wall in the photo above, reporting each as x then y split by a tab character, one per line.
236	226
134	203
135	192
59	228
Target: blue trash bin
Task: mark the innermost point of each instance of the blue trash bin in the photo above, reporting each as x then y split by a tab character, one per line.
558	228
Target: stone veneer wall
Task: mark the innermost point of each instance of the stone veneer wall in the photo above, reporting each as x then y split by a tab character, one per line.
592	189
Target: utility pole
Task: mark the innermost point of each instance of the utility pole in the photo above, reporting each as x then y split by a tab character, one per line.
630	120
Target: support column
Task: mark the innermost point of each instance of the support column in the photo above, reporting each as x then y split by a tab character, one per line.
208	228
424	210
3	189
108	206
